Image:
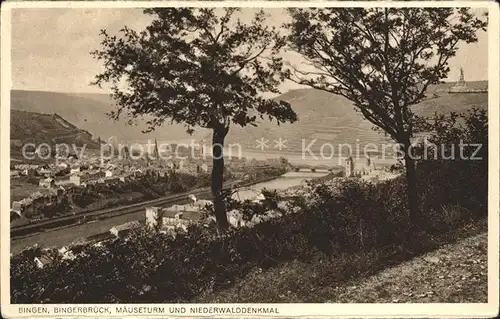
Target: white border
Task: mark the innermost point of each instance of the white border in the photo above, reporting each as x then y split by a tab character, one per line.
468	310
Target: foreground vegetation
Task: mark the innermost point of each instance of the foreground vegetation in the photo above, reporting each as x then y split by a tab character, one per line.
345	229
456	272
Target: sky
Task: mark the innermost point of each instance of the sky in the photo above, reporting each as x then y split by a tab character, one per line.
50	47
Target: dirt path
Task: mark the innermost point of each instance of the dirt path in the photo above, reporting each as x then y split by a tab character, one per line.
453	273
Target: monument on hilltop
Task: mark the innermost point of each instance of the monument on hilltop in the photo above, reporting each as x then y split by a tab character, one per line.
461	86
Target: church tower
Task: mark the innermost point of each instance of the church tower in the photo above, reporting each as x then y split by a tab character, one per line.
349	166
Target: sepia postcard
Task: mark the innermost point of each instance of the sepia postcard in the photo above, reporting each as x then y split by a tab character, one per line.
250	159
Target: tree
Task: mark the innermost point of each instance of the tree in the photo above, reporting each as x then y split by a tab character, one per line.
200	67
381	59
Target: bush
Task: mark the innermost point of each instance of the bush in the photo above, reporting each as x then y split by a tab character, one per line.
346	216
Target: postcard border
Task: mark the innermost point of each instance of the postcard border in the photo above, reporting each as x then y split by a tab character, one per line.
468	310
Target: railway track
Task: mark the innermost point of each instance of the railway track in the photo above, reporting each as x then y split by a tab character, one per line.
110	212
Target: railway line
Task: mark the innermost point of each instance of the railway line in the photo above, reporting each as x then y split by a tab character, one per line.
23	230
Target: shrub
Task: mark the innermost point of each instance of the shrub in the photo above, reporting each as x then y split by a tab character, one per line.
344	216
347	215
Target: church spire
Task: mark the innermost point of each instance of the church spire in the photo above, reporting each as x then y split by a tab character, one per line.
156	153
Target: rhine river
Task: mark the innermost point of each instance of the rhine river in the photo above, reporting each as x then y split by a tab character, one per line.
77	233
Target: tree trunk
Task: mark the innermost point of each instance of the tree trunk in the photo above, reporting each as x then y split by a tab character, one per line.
411	180
218	178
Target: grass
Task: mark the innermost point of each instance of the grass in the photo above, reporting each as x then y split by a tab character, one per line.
454	273
38	128
378	275
20	188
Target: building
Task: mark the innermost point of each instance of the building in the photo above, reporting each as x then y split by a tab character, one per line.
235	218
24	207
17	207
60	194
137	172
14	174
176	216
75	179
62	165
15	215
204	167
153	216
16	143
75	169
43	260
45	171
120	231
28	172
47	183
349	167
173	219
369	166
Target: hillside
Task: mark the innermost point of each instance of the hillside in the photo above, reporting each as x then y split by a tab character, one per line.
45	128
332	119
88	112
323	117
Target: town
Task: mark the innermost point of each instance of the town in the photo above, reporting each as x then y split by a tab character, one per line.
79	185
177	218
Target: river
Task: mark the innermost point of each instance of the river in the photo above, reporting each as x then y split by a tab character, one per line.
287	180
77	233
311	160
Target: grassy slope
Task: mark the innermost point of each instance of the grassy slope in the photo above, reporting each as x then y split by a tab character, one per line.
455	272
38	128
333	119
88	112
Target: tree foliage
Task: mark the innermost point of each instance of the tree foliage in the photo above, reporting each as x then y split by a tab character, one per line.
199	67
382	59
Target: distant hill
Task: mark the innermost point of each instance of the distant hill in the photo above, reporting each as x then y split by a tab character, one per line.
332	119
88	111
443	87
323	116
31	127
